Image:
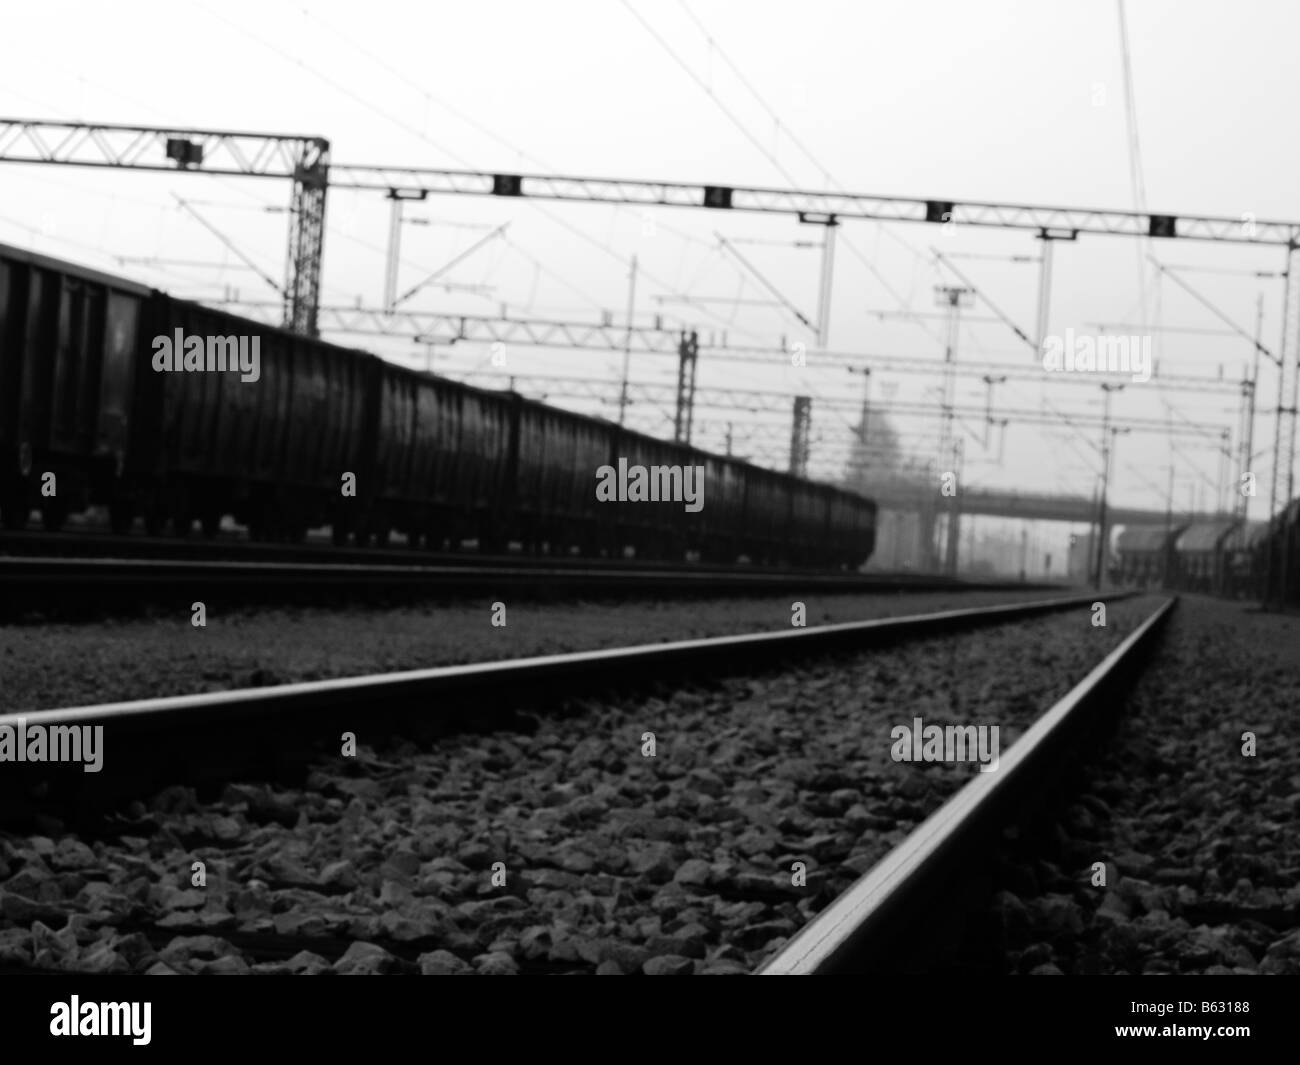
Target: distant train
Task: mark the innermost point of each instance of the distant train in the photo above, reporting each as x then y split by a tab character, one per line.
1224	556
88	417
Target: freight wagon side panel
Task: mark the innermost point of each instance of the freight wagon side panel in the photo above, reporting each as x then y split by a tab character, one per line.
326	411
12	279
539	447
559	455
67	344
188	433
714	520
348	381
766	509
869	514
40	326
591	447
396	434
663	518
808	507
123	315
310	429
418	488
441	411
78	357
213	424
483	459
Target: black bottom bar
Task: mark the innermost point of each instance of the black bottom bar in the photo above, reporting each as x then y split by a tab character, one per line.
858	1016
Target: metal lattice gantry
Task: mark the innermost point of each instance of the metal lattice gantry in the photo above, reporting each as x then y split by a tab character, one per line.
1055	220
302	159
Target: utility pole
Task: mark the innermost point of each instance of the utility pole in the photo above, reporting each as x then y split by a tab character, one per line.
1107	443
801	424
627	343
687	350
952	297
396	198
1250	391
954	511
1169	505
1045	279
1002	424
990	380
1225	457
859	469
826	281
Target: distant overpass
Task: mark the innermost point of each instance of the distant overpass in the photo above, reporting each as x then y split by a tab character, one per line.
1000	503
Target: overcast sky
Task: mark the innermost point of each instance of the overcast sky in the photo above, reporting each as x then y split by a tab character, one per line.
984	100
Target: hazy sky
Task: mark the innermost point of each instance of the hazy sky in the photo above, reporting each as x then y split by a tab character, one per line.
1014	102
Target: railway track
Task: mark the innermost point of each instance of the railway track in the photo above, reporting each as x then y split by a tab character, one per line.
49	580
42	574
887	920
204	742
92	543
88	569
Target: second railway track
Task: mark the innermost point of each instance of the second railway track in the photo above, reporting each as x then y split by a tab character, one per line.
71	583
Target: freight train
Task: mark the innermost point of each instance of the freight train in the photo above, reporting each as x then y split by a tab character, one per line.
103	402
1223	556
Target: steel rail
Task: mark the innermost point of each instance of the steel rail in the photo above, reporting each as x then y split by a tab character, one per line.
864	927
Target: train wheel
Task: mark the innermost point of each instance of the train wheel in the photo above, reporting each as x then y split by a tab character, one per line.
262	523
211	522
54	514
154	520
178	511
14	510
121	516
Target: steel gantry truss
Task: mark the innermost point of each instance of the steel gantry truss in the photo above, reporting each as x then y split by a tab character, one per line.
837	204
302	159
306	160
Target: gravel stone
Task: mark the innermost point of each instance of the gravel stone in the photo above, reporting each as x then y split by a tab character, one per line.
367	959
669	965
496	964
307	963
693	872
441	963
